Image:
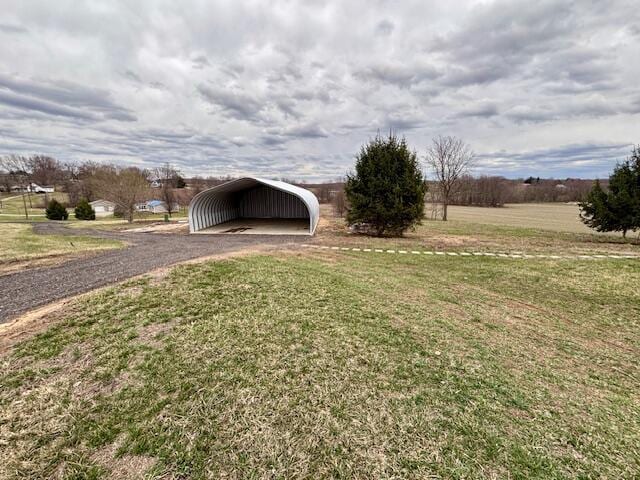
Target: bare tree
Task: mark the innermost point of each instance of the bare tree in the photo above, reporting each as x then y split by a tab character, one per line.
126	187
449	158
19	170
78	181
6	180
167	176
45	170
339	203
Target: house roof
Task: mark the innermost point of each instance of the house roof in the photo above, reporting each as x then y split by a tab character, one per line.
101	202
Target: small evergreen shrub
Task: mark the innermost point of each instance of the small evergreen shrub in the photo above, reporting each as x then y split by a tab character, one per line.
84	211
56	211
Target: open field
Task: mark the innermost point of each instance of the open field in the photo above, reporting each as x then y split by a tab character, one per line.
560	217
320	364
20	247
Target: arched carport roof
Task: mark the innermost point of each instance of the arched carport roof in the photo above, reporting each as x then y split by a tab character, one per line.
204	207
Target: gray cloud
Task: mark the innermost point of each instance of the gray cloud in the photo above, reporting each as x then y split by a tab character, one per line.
485	110
62	98
8	28
385	27
594	159
236	104
33	104
280	88
397	73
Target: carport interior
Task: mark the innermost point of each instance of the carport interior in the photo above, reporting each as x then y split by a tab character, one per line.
253	209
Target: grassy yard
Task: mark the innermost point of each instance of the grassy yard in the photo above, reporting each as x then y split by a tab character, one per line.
12	206
335	365
18	243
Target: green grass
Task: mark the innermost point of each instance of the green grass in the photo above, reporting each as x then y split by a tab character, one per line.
12	206
336	365
19	243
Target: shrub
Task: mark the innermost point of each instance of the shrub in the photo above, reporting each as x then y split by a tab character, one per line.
386	193
56	211
84	211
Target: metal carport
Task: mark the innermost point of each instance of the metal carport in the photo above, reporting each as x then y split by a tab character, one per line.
254	205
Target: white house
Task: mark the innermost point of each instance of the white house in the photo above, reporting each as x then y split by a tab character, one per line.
156	206
103	208
34	188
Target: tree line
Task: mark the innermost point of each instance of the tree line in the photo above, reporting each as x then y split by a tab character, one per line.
125	186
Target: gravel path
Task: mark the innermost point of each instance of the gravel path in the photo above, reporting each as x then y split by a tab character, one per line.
29	289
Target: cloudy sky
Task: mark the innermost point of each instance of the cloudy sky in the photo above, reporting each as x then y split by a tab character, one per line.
293	88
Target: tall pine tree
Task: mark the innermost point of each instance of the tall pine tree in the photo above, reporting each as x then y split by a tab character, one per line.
386	193
618	209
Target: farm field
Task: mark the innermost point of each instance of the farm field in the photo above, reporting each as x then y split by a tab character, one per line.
559	217
22	248
317	364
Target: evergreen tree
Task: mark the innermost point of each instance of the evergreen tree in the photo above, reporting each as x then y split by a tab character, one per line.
386	193
179	182
618	209
56	211
84	211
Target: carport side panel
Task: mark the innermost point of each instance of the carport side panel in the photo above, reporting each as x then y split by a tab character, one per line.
212	209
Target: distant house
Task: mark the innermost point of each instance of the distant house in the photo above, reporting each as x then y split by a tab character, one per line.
33	188
156	183
103	208
156	206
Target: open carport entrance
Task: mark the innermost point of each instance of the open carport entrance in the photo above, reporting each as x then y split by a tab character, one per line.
254	206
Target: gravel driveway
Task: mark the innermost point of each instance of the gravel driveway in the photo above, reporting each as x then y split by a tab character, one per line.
29	289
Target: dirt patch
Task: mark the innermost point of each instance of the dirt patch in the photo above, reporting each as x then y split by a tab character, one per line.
122	466
32	323
151	334
161	228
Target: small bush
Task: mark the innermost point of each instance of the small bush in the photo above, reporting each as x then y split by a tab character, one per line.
84	211
56	211
118	212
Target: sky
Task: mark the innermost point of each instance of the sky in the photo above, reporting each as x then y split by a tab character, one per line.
293	89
